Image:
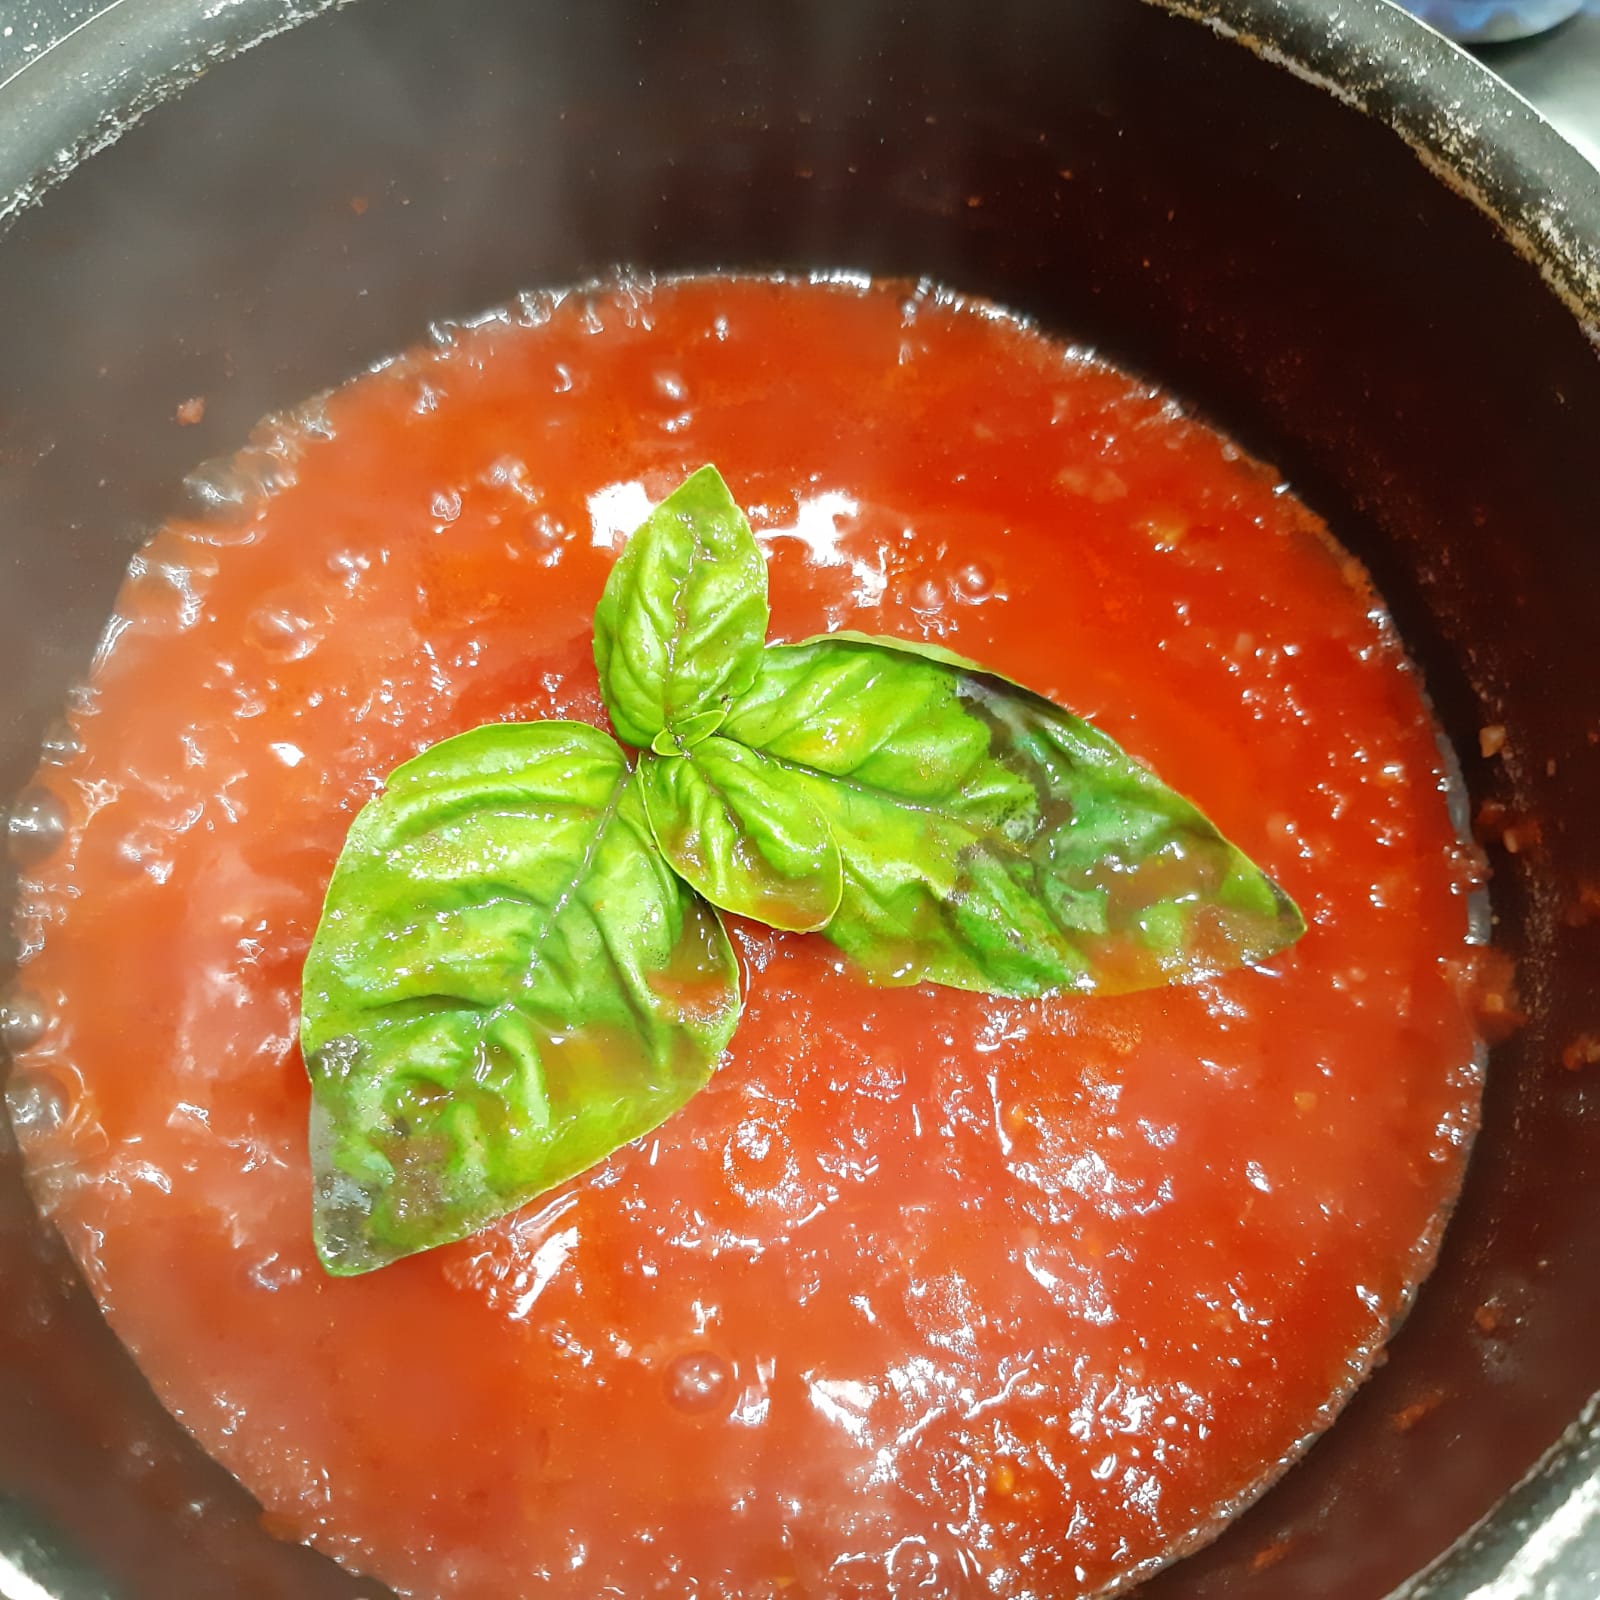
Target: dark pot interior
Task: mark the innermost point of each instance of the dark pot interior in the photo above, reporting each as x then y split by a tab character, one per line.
1133	178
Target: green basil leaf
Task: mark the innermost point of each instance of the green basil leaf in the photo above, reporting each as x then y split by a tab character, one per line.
687	734
738	828
993	841
508	983
680	626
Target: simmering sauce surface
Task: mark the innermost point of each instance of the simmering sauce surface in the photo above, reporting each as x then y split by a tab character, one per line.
930	1294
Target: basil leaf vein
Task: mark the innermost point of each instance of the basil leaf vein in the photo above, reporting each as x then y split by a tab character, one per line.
508	983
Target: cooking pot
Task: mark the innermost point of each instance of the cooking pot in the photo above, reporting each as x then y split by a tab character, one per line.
1316	221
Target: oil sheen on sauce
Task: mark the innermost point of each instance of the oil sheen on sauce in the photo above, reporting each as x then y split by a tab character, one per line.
930	1294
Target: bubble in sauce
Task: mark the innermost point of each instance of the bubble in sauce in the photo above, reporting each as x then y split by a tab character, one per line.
975	580
282	631
60	744
348	565
444	334
37	1102
757	1158
23	1020
311	417
36	827
698	1380
230	483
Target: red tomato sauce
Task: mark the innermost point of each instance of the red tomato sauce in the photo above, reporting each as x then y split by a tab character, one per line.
930	1293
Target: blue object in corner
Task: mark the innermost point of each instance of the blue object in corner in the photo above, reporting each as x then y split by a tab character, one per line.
1484	21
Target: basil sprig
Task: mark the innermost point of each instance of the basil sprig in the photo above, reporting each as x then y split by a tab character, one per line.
519	968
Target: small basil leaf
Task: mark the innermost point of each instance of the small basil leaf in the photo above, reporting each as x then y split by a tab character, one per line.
993	841
680	625
507	984
687	734
737	827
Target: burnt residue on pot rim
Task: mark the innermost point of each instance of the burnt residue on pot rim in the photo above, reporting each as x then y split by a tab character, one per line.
1472	132
1541	1543
97	77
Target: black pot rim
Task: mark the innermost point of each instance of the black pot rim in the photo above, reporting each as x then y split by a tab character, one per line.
1471	130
